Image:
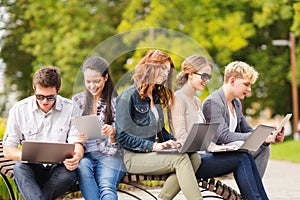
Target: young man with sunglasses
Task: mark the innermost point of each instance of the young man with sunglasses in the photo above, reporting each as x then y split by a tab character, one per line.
44	116
224	106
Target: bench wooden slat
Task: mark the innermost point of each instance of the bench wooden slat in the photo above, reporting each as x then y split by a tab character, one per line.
219	188
211	185
204	183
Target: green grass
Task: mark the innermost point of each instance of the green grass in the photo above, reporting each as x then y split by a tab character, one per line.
287	150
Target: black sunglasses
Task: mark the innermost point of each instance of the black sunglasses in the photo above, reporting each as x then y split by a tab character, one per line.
41	97
204	76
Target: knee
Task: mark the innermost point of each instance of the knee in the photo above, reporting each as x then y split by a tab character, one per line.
183	159
108	184
19	168
264	151
84	162
245	158
108	192
185	156
195	160
68	175
84	166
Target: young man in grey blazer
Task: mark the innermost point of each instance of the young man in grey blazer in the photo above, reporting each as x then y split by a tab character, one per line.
224	106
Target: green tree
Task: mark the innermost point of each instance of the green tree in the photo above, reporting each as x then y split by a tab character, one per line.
231	30
64	32
273	20
220	27
18	62
60	33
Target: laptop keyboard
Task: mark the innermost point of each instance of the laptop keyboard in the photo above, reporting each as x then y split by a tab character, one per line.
168	150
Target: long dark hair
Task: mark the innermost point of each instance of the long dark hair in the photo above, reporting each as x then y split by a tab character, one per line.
100	65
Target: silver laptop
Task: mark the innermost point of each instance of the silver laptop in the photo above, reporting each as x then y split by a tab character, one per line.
199	138
255	140
89	125
46	152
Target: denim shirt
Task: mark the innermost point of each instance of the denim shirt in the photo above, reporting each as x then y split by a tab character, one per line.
136	126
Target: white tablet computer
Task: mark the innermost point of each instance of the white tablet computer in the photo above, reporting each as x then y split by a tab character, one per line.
89	125
281	125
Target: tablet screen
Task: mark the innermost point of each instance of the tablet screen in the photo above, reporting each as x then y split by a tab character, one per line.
89	125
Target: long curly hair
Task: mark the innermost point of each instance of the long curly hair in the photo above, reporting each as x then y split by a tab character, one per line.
146	73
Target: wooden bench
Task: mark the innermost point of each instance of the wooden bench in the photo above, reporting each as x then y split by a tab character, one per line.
217	189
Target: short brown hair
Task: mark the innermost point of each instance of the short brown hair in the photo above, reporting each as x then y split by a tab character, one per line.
47	77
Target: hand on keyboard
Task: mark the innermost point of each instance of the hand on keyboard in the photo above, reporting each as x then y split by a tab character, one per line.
170	144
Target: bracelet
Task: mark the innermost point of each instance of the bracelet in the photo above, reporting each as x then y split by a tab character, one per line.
114	136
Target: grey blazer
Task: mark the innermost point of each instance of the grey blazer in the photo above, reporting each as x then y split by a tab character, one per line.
215	110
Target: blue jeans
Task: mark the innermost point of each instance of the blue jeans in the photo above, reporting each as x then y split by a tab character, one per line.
34	181
243	167
99	175
261	158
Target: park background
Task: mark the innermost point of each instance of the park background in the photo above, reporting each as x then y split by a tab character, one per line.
64	32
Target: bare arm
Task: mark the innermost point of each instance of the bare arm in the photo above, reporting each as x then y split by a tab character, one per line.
72	163
79	151
12	152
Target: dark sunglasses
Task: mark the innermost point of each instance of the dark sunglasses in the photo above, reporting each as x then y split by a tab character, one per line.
204	76
41	97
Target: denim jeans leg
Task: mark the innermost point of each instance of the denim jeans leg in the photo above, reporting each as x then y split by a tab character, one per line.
243	166
259	182
261	157
110	170
248	179
227	162
60	180
24	178
99	175
87	182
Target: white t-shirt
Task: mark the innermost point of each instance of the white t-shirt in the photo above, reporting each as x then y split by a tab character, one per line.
233	120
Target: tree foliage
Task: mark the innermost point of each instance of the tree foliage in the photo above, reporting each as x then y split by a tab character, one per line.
18	62
231	30
60	33
63	33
